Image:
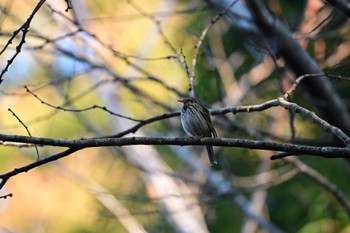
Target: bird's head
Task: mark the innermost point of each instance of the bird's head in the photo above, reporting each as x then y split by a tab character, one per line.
188	100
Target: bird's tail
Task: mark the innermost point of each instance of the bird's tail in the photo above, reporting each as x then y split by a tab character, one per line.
212	156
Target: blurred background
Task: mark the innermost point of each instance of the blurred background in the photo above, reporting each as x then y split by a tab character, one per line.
103	67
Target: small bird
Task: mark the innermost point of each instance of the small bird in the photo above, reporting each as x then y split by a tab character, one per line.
195	120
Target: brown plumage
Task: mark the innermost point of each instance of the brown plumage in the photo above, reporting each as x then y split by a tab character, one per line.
195	120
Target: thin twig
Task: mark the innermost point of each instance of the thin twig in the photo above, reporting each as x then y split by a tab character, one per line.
6	196
204	33
26	128
316	119
297	82
104	108
24	29
188	72
69	5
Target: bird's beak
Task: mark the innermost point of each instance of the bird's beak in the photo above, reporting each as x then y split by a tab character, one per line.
182	100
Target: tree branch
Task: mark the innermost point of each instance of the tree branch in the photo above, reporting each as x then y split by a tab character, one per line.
278	36
24	29
78	144
327	100
6	176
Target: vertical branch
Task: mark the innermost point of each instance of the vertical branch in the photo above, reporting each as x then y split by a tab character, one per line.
192	73
203	34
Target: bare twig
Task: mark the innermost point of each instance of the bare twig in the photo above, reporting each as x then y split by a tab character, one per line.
292	106
104	108
297	82
116	78
203	34
6	196
316	119
69	5
24	29
191	72
183	62
26	128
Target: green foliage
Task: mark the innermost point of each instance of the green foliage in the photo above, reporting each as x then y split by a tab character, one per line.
292	12
225	217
